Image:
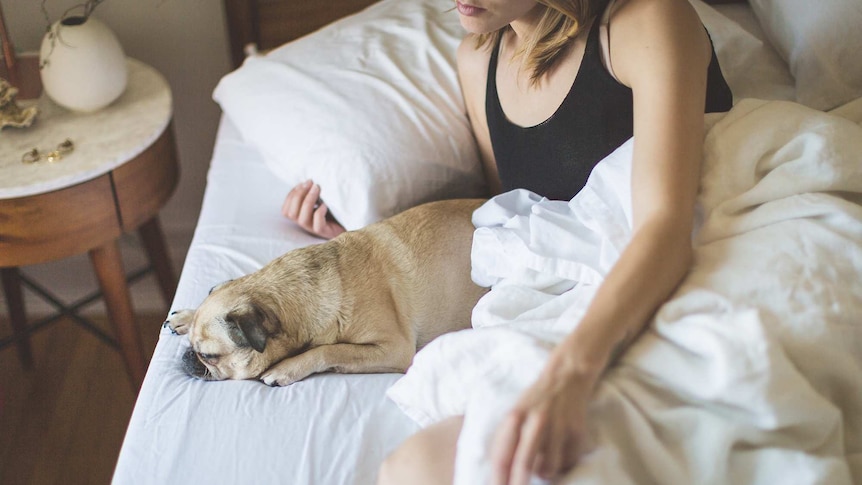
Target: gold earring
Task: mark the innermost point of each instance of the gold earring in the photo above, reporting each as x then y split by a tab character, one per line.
53	156
66	147
31	156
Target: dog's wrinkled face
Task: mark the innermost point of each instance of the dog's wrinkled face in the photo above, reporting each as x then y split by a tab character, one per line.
228	336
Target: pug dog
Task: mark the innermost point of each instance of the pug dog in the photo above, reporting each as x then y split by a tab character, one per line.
363	302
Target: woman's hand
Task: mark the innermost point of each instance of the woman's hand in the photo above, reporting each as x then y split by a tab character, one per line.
546	432
303	206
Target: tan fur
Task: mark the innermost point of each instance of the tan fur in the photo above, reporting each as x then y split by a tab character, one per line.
363	302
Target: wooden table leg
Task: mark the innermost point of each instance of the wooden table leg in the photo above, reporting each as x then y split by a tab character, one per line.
112	279
17	315
154	242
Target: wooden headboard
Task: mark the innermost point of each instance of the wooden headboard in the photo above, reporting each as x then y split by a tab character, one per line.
269	23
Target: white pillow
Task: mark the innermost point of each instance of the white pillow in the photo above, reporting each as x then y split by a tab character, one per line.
752	68
821	40
368	107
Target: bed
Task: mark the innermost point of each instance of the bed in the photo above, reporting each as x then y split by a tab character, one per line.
341	104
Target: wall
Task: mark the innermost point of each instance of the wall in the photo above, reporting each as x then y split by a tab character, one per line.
187	42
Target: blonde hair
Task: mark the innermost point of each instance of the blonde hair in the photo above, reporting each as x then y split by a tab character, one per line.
560	23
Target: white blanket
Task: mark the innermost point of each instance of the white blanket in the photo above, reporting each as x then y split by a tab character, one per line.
751	373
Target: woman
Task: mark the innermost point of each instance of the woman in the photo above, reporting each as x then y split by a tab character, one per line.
551	87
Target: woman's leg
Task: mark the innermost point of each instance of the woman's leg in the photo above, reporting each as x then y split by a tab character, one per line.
426	458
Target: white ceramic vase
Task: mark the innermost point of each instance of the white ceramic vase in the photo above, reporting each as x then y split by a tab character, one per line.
83	66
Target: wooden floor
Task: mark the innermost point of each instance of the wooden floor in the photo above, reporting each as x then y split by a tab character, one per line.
63	421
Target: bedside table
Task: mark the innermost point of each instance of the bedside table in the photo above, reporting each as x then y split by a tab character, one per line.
122	170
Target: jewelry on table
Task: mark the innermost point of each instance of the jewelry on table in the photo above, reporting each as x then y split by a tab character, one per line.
34	155
31	156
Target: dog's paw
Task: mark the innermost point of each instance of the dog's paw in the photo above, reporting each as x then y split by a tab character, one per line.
179	321
277	379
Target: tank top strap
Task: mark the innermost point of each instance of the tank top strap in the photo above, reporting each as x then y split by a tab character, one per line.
605	38
491	82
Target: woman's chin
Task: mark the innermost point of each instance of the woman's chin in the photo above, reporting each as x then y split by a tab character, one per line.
476	26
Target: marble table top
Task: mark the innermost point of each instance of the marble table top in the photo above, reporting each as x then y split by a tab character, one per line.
103	140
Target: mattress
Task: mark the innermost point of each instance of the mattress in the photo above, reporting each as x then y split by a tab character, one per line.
328	429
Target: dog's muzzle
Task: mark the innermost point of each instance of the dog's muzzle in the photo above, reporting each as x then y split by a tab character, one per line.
194	367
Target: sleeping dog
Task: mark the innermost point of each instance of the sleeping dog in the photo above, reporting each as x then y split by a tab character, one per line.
363	302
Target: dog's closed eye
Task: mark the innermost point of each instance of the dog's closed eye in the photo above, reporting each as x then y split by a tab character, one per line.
209	358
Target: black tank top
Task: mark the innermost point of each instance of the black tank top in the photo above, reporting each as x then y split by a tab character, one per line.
555	158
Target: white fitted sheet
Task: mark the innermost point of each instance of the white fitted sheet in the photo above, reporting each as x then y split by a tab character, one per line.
328	429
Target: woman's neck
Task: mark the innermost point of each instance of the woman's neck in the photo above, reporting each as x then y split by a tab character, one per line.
525	26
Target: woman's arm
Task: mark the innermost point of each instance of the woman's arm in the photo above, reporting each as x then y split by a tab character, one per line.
472	74
660	49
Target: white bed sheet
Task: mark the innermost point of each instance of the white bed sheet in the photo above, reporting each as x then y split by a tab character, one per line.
329	429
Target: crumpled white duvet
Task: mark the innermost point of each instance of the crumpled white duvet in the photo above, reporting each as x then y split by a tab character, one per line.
751	373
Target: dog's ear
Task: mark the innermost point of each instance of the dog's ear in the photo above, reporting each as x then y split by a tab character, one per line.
247	326
218	286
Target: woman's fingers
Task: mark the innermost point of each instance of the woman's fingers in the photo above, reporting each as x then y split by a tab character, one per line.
505	444
325	226
553	455
319	224
560	454
570	452
544	435
306	209
293	201
531	446
300	204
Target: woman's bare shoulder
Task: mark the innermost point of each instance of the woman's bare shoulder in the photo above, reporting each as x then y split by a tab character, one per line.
660	7
650	32
637	17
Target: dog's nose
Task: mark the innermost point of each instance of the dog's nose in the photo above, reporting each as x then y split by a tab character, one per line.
193	366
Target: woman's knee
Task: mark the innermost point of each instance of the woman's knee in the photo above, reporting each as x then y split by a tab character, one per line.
426	458
399	466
